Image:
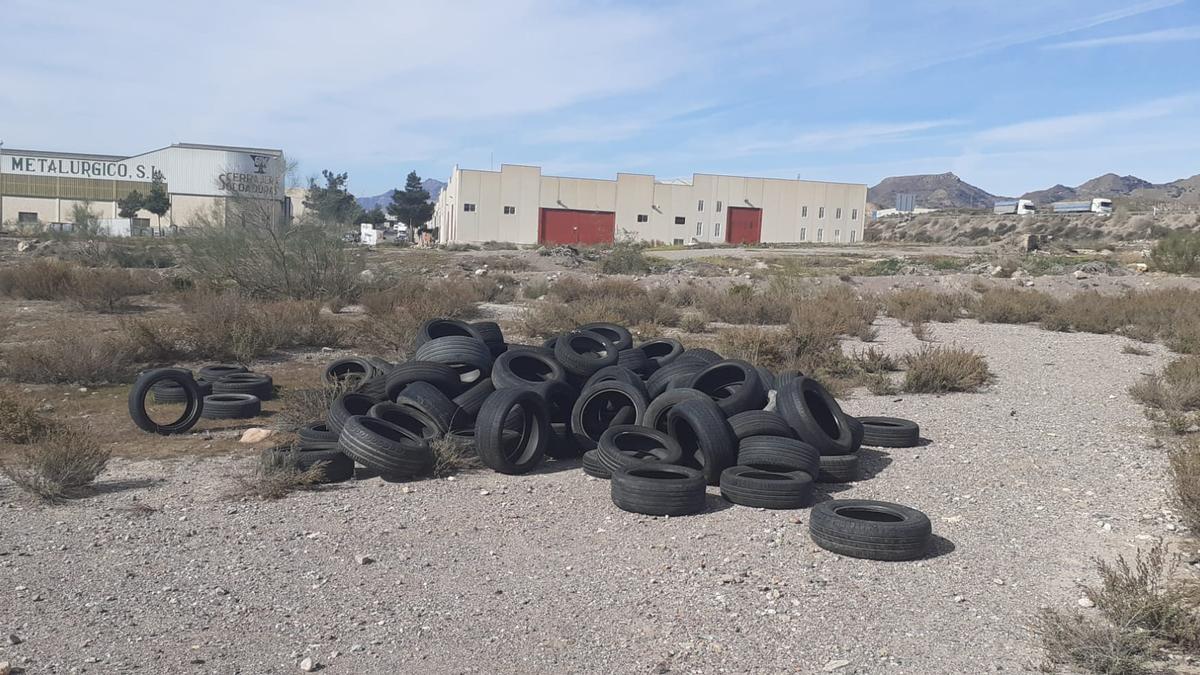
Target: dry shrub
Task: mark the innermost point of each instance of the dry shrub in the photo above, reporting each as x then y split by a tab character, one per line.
72	356
936	370
624	258
1090	312
1131	348
874	360
1178	253
1140	596
102	290
846	312
1185	481
768	347
20	423
915	306
740	304
276	474
37	280
397	312
1172	396
453	455
573	302
507	263
533	290
693	322
1010	305
880	384
298	407
1091	645
60	463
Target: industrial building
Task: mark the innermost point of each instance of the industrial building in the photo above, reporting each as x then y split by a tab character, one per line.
44	187
520	205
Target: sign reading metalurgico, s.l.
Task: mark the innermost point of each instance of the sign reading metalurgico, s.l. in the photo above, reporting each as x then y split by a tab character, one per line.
76	168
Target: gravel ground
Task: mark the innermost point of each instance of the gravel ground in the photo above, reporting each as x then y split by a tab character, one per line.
541	573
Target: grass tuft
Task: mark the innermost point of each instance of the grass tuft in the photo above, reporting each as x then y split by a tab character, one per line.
276	474
937	370
58	463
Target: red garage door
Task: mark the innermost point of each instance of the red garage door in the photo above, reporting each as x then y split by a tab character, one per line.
566	226
745	226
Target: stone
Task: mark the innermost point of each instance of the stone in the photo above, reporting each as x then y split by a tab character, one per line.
1086	603
14	639
256	435
1079	274
1140	268
363	559
24	245
308	665
481	272
997	271
835	664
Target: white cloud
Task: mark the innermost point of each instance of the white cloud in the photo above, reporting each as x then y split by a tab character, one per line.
1062	128
1185	34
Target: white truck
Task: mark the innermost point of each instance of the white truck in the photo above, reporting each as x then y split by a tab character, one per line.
1098	205
1014	207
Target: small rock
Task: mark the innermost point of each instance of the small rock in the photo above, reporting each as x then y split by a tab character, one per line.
481	272
1086	603
1079	274
256	435
14	639
308	665
835	665
997	271
959	598
485	492
363	559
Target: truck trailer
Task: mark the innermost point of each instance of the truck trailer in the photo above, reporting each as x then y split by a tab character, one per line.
1099	205
1014	207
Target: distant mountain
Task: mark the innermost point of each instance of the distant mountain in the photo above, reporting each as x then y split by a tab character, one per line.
933	191
433	186
1108	185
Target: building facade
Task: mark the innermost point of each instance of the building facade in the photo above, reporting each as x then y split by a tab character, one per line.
520	205
45	187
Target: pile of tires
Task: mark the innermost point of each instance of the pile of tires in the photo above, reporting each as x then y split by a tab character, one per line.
235	392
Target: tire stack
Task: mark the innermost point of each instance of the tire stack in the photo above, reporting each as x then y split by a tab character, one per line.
236	393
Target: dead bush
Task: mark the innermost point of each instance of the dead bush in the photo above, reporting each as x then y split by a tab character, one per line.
936	370
1091	645
1139	596
298	407
1090	312
740	304
624	258
277	474
20	423
396	313
573	302
1010	305
769	347
874	360
453	455
693	322
535	289
71	356
37	280
915	306
1131	348
1172	395
108	290
61	463
1185	481
880	384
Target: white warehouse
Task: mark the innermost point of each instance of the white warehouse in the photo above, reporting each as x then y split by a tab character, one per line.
520	205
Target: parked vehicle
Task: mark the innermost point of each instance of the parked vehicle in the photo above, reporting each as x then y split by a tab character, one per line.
1098	205
1017	207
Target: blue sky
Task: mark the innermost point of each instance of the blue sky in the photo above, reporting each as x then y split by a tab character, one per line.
1011	96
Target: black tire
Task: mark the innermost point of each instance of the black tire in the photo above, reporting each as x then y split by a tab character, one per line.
890	432
707	441
231	406
619	335
344	407
593	467
426	398
469	402
255	384
169	391
382	446
661	352
780	454
748	486
192	397
627	444
658	489
815	416
603	405
759	423
408	418
674	376
349	369
633	359
382	365
734	384
782	378
862	528
857	431
316	432
582	353
766	377
490	333
660	407
439	375
524	366
562	443
524	453
440	328
700	355
215	371
839	469
336	466
620	374
375	387
469	357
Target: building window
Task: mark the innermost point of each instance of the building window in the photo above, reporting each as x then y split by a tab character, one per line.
677	242
719	205
820	234
803	211
853	216
26	217
851	236
699	229
804	234
716	229
838	213
509	210
821	212
468	207
700	205
837	235
642	218
680	220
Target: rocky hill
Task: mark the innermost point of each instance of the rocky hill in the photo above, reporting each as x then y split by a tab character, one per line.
433	186
948	191
933	191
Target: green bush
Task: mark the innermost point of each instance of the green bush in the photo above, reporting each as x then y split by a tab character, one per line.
1178	253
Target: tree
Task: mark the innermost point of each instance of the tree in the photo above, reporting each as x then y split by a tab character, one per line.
130	204
332	203
411	206
375	216
158	201
85	220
